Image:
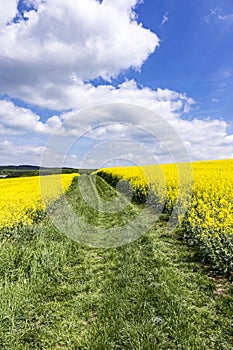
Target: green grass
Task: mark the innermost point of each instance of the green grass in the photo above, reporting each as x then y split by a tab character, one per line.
151	294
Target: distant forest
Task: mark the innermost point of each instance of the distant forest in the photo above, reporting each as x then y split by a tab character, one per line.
31	170
7	171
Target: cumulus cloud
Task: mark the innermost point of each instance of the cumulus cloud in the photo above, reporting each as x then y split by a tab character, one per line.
49	57
163	101
7	11
7	146
17	120
203	138
65	42
12	153
82	95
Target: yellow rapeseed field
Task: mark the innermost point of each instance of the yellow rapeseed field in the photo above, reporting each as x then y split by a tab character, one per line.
21	198
208	222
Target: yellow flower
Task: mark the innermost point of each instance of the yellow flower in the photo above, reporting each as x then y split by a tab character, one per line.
210	205
20	198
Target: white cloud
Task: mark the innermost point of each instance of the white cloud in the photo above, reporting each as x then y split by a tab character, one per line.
226	17
216	12
50	59
203	138
82	95
8	10
213	12
166	102
17	120
123	5
12	153
165	19
64	42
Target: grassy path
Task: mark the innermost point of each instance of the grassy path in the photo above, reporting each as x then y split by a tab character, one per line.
150	294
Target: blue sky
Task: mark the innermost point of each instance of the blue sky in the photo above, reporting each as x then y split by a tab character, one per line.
174	57
196	52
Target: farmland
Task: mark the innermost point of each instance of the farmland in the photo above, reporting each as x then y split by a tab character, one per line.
21	201
154	293
205	201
